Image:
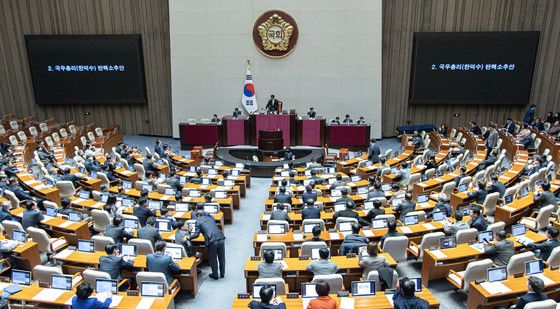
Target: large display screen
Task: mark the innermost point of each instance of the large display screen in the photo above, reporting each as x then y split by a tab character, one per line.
472	67
86	69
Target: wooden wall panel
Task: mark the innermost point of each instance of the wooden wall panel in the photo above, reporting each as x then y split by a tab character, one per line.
401	18
149	18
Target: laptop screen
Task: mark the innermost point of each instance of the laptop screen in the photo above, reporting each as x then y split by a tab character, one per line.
278	254
518	230
131	223
206	181
336	193
211	209
508	199
276	229
363	288
84	194
18	235
127	184
170	191
356	178
308	227
86	246
194	193
104	198
175	253
257	289
181	207
229	183
379	223
417	284
61	282
75	216
362	190
368	205
534	267
315	253
152	289
220	194
423	198
51	211
149	188
485	236
396	201
497	274
308	290
106	286
410	220
163	225
463	187
129	250
345	226
386	187
21	277
438	215
154	204
127	202
524	191
448	242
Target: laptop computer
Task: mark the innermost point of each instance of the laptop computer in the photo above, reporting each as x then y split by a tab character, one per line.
417	284
308	290
129	250
257	289
379	223
175	253
438	215
463	187
152	289
149	188
170	191
448	242
410	220
423	198
21	277
345	227
51	211
485	236
534	267
18	235
308	227
106	286
75	216
363	288
153	204
220	194
84	194
181	207
130	223
163	225
61	282
276	229
127	184
497	274
87	246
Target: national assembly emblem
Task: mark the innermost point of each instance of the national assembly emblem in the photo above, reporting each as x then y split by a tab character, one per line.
275	33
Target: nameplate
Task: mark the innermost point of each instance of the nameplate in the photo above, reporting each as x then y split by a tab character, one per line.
132	293
243	296
44	285
292	295
333	231
5	279
350	255
343	294
255	258
304	258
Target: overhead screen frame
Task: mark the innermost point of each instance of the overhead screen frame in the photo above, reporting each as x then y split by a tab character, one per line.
77	102
451	102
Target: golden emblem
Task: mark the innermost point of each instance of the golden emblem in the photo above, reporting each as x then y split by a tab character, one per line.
275	33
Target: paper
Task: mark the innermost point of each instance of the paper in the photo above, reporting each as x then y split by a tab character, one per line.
266	217
389	298
98	205
78	200
478	247
305	302
3	285
334	236
46	218
429	226
298	236
65	224
145	303
424	205
544	278
406	230
115	299
48	295
494	288
262	237
347	302
368	233
40	187
179	214
165	197
438	254
63	254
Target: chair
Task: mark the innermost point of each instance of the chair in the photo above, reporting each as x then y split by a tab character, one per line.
554	258
466	236
446	191
541	221
101	241
496	227
104	179
14	200
340	220
396	247
278	222
274	246
308	246
420	213
430	173
10	226
13	141
14	125
374	275
101	219
281	286
63	133
148	276
44	273
428	240
544	304
414	178
56	138
314	222
65	188
516	264
476	270
72	129
139	168
22	137
335	281
465	180
490	203
144	246
99	132
387	217
91	275
91	136
46	244
43	127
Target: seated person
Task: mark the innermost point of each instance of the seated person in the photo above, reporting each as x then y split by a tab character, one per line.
159	262
113	264
311	113
361	121
65	209
237	112
288	154
479	195
391	231
310	211
344	198
405	298
352	242
5	212
452	229
545	198
280	213
375	211
477	220
372	261
282	196
547	246
442	205
309	194
336	120
198	178
347	119
142	212
406	206
117	231
322	266
376	192
324	301
500	251
215	119
491	159
403	175
497	186
338	182
268	301
535	287
349	212
83	299
182	237
267	268
69	176
316	233
31	216
149	231
316	179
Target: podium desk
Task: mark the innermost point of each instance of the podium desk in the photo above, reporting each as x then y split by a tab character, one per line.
353	136
235	131
274	122
271	140
311	131
199	134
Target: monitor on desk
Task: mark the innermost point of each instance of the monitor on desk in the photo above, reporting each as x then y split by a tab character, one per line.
362	190
285	173
127	202
61	282
51	211
339	207
106	286
308	227
212	171
336	193
18	235
240	165
163	225
21	277
147	187
308	290
534	267
75	216
276	229
235	172
211	208
220	194
355	178
130	223
465	210
423	198
84	194
194	193
345	227
93	174
229	183
153	204
508	199
497	274
86	246
173	252
152	289
182	179
49	183
386	187
379	223
127	184
448	242
439	215
410	220
181	207
368	205
330	181
170	191
104	198
417	284
129	250
257	289
192	169
363	288
395	201
518	230
485	236
278	254
463	187
206	181
524	191
315	253
331	170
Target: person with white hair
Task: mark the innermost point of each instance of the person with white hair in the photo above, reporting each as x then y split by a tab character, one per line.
5	210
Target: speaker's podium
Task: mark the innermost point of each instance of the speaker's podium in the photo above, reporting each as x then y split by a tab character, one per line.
271	140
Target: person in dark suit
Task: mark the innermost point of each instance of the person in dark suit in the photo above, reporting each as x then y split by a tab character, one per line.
282	196
280	214
344	198
497	186
391	232
309	194
214	241
336	120
545	198
406	299
82	300
376	192
530	114
373	151
479	195
68	176
198	178
19	192
310	211
142	211
500	251
442	205
31	216
406	206
509	126
272	105
158	149
316	179
492	140
477	221
348	212
149	166
91	164
182	238
113	264
538	124
237	112
347	120
5	211
159	262
268	301
316	234
149	231
215	119
288	154
375	211
475	129
352	242
461	175
311	113
547	246
292	180
535	287
267	268
117	231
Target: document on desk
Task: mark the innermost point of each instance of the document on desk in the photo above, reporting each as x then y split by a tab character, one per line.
429	226
494	288
65	224
165	197
3	285
425	205
544	278
368	233
298	236
179	214
390	298
48	295
46	219
266	217
63	254
145	303
115	300
40	187
31	182
438	254
262	237
346	303
478	247
406	230
334	236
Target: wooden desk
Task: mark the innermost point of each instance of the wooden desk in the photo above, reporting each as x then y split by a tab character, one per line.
27	256
38	187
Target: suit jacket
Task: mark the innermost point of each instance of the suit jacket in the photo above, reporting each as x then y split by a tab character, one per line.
374	194
410	302
269	270
389	234
373	153
114	265
208	227
492	140
479	223
544	199
510	128
237	113
443	207
310	213
545	247
280	215
528	298
309	196
5	215
347	120
455	227
352	242
31	218
143	213
283	198
370	263
158	262
317	180
529	114
254	304
159	150
343	200
311	114
150	233
71	177
149	166
501	252
497	187
272	105
347	213
322	267
458	179
405	207
118	233
478	195
374	212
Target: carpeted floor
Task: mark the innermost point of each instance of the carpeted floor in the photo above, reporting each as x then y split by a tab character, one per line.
220	294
